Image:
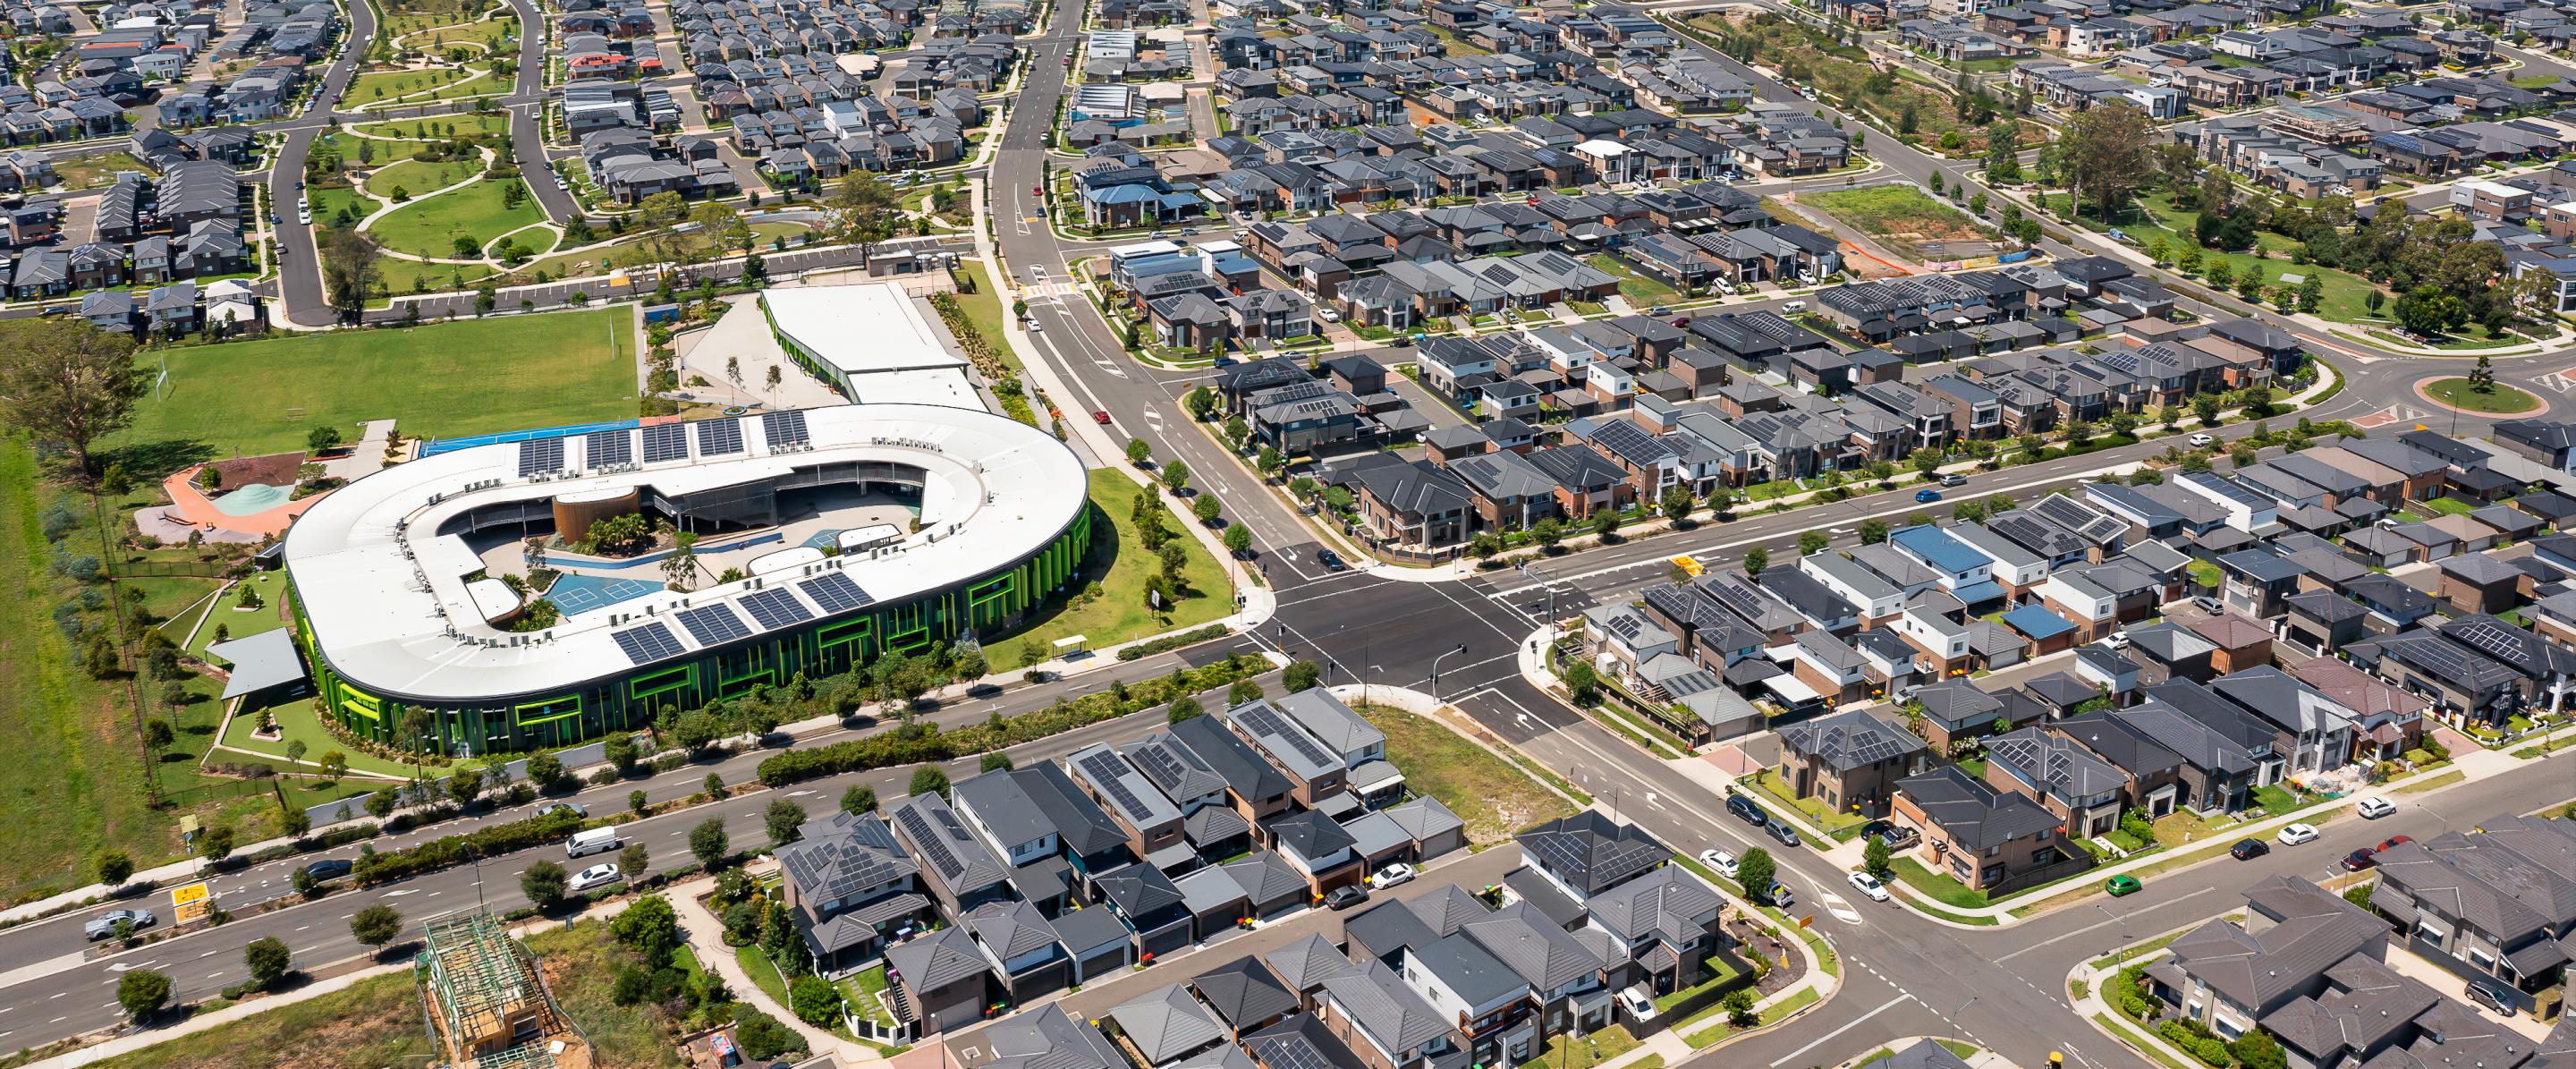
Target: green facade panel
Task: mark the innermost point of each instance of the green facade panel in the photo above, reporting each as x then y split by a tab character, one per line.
630	701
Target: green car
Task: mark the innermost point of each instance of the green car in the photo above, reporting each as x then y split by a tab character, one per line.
2123	885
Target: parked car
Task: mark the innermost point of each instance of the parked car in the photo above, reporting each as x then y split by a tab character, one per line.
2298	834
2209	605
2492	994
1781	833
2118	640
1659	311
1927	495
551	808
1392	875
2249	849
2360	859
328	869
1101	417
2123	884
2375	807
104	925
1637	1002
1718	861
600	875
1346	896
1781	896
1746	809
2201	440
1332	561
1868	885
1896	836
2392	841
1794	306
1954	479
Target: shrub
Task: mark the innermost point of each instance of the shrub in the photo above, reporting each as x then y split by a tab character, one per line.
763	1037
453	850
816	1001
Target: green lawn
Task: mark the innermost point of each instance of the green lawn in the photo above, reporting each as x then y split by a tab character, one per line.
1718	974
297	722
1640	291
1900	217
2447	506
430	226
1594	1048
2205	573
862	990
1492	796
1816	812
409	179
2499	398
1779	1011
440	379
1940	887
224	613
2276	801
90	170
1458	46
472	127
374	1022
405	88
2154	216
1120	613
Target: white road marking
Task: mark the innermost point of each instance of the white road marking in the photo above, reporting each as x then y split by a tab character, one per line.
2087	928
1900	999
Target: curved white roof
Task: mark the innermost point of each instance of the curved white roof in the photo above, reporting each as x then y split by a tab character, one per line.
390	606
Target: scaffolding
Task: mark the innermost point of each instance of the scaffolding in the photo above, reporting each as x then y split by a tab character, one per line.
486	1004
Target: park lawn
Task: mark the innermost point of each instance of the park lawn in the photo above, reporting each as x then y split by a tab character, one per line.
592	260
470	127
439	380
297	722
90	170
374	1022
1901	217
1493	796
186	630
984	309
405	88
1120	613
431	225
2498	399
417	179
580	962
1640	291
2154	216
486	32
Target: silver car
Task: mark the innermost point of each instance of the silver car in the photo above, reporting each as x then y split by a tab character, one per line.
104	925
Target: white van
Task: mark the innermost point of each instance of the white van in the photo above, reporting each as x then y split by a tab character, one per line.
594	841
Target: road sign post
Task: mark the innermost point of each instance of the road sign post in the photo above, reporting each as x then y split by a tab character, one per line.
190	903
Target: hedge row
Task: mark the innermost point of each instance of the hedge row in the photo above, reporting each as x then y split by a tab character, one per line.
926	742
453	850
1168	643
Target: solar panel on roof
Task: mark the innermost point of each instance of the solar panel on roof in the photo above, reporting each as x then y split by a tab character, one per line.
1260	718
647	644
784	428
541	456
717	437
604	449
1160	762
775	608
665	442
927	842
835	592
711	624
1103	772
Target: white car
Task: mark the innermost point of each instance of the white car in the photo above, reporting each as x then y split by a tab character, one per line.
1869	885
2375	807
1392	875
1719	860
2119	640
1634	1000
2202	441
600	875
2298	835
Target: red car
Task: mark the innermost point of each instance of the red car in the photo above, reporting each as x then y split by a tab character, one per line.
2393	840
2359	860
1101	417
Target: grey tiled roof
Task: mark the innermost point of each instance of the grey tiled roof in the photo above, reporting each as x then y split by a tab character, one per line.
1385	1008
1166	1023
1244	990
937	959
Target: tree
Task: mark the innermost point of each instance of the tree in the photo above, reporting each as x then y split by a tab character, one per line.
709	843
680	569
1582	682
860	798
2482	377
142	992
2107	151
1206	508
545	770
1756	871
1756	559
783	818
2374	300
1176	475
815	1001
634	861
1241	692
464	785
1182	708
216	843
2426	311
349	271
929	779
1301	676
1677	503
68	383
1739	1008
650	928
375	925
2204	406
866	211
1238	539
544	883
2220	272
2312	293
1811	543
2189	262
2256	1049
1138	452
1873	857
114	867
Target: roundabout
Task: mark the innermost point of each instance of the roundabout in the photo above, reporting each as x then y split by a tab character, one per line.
2457	393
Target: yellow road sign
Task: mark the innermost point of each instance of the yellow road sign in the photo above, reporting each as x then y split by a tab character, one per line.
190	903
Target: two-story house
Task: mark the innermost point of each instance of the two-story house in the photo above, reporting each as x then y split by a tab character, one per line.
848	884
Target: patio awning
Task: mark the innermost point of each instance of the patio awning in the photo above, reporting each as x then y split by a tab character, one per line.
259	662
1791	690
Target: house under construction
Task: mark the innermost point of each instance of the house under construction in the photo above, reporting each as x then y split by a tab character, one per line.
487	1005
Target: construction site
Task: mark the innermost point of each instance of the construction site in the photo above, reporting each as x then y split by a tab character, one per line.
487	1006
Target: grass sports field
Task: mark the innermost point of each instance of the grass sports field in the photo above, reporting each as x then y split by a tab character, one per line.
440	380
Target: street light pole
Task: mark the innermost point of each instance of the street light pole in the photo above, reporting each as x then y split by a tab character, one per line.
1435	671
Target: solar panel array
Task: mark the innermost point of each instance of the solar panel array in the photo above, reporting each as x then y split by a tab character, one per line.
2029	531
603	449
1159	762
647	644
1629	441
540	456
2493	639
1103	772
1263	719
775	608
666	441
835	592
2075	516
712	624
928	843
784	428
717	437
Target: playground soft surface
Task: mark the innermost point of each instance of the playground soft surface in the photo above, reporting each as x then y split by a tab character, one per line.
437	380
